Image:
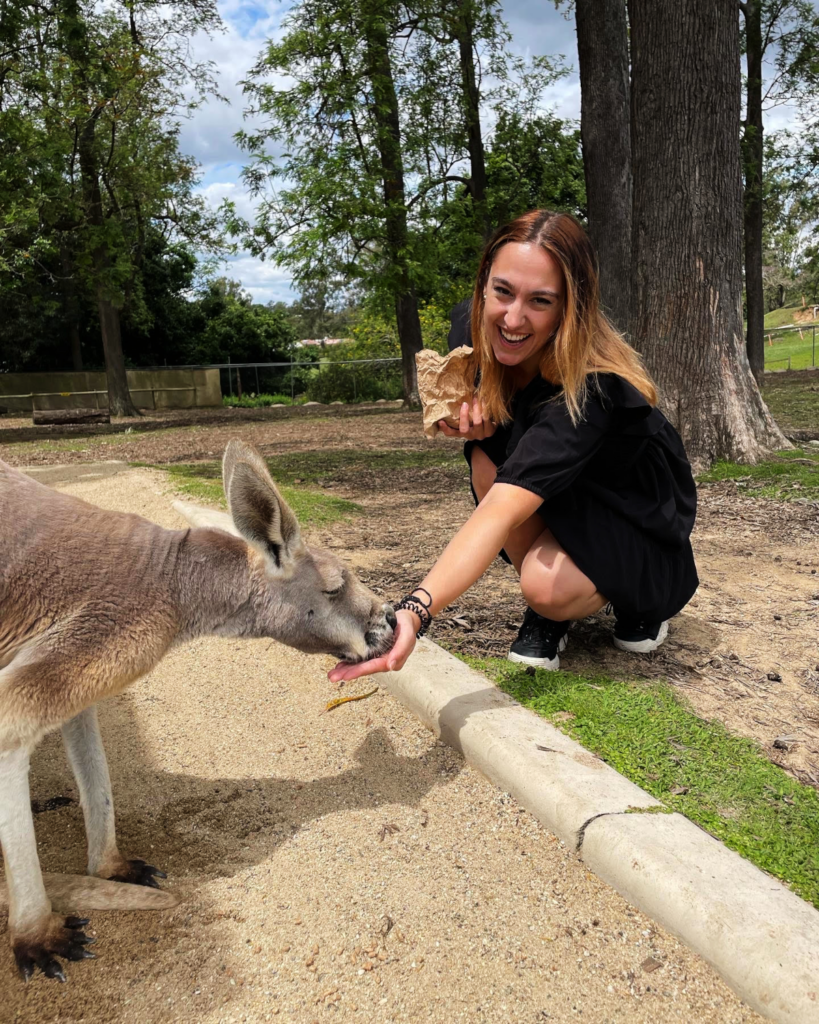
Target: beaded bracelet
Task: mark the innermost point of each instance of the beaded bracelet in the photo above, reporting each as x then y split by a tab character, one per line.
416	604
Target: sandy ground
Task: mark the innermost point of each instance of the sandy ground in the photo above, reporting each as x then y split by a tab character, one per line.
341	866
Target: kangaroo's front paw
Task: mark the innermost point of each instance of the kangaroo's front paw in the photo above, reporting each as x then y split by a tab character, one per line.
61	936
138	872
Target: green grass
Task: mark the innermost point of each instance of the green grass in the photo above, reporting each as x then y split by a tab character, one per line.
253	401
793	400
318	466
786	478
720	781
311	467
202	482
781	317
88	441
790	351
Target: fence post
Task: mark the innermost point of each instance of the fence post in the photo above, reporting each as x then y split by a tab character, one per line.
292	380
230	378
813	355
256	368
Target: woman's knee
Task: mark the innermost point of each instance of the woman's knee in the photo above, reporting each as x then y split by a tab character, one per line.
484	472
547	590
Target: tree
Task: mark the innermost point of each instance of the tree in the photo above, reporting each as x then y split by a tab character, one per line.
790	203
788	29
90	96
238	330
377	139
315	314
687	227
343	212
73	33
602	49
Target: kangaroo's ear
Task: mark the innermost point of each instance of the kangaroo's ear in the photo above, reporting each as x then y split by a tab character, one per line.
198	516
260	513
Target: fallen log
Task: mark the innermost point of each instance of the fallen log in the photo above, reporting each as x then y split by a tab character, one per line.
63	416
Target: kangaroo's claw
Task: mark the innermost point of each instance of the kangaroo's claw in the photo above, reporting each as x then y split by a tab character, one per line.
140	873
63	939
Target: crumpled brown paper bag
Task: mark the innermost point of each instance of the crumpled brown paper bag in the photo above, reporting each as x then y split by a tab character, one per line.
444	384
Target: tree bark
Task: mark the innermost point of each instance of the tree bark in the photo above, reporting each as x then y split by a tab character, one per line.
753	155
471	97
64	416
119	397
687	227
602	49
388	136
71	307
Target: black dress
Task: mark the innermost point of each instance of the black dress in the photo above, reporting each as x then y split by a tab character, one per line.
617	490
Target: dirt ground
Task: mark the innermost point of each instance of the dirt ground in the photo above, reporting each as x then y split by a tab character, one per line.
341	866
745	650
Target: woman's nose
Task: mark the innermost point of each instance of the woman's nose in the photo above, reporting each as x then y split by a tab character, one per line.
515	316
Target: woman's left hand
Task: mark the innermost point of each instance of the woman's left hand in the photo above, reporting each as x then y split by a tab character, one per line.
392	661
477	430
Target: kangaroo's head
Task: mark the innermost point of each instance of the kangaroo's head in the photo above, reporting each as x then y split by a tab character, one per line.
304	597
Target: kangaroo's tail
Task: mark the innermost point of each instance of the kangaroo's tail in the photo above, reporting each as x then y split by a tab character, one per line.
69	893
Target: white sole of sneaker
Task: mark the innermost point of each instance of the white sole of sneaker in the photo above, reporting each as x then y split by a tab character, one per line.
643	646
550	664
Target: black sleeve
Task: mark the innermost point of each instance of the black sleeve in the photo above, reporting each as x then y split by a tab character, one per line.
616	405
552	453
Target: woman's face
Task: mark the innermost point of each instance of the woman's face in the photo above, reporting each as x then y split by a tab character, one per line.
523	307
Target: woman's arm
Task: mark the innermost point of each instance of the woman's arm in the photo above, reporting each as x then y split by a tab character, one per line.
464	560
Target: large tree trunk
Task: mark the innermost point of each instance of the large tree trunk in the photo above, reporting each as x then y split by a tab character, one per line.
752	154
71	310
471	98
388	134
119	397
687	219
602	49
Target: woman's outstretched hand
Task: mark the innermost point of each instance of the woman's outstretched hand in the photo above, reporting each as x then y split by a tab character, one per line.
477	430
392	661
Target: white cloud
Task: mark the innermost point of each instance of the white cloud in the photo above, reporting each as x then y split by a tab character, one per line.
263	279
536	28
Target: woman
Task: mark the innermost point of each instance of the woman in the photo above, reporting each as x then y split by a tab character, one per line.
580	480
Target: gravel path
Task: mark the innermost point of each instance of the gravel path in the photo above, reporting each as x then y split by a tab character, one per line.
340	866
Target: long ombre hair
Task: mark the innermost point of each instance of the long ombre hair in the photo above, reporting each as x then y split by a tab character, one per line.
585	342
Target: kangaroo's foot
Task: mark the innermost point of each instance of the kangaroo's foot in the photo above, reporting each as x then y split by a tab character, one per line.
137	872
59	936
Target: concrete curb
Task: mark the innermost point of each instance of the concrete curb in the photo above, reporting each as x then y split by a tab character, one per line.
760	937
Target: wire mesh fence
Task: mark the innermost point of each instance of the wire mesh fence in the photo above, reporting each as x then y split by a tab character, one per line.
792	347
318	380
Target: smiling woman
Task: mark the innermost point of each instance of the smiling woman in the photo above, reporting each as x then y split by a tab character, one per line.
582	483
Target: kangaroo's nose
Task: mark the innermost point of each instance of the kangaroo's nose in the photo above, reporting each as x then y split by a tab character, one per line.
389	615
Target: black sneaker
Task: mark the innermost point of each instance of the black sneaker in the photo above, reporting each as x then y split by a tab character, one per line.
539	641
637	635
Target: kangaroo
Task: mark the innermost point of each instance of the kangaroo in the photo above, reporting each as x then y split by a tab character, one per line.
90	601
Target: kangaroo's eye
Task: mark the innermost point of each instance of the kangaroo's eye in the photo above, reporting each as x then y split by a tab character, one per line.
333	593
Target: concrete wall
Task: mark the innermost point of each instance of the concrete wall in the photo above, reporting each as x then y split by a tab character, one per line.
150	389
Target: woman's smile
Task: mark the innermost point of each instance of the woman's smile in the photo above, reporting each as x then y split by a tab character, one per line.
523	307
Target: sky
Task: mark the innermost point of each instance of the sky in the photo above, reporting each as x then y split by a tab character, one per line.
536	27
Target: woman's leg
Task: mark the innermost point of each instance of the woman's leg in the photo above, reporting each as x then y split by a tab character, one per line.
551	583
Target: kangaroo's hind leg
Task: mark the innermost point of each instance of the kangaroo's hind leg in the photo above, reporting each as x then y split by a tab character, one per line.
83	744
37	934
